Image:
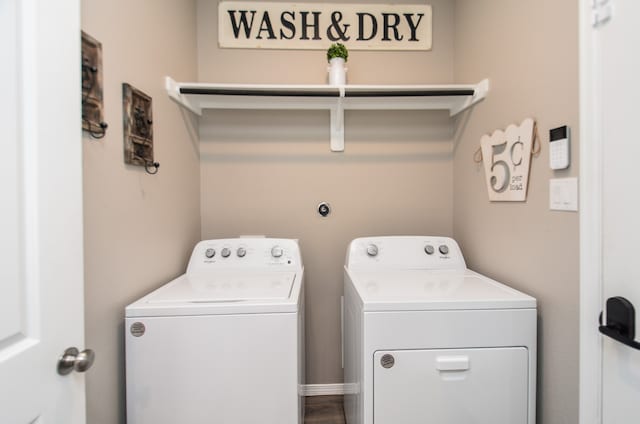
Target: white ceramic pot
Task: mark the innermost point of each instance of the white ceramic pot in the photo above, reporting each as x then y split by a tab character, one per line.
337	71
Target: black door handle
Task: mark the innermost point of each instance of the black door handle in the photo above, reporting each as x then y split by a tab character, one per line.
621	321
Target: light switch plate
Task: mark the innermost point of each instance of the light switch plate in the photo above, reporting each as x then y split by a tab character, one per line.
563	194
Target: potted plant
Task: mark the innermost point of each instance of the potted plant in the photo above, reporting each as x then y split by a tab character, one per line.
337	55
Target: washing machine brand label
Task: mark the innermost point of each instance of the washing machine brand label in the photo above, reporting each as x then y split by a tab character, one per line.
387	361
137	329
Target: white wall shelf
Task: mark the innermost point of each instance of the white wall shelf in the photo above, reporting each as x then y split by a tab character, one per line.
335	99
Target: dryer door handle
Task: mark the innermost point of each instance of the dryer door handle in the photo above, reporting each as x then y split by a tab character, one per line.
452	363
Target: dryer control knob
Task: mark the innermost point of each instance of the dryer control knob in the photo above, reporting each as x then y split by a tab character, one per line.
241	252
372	250
276	251
428	249
444	249
210	253
225	252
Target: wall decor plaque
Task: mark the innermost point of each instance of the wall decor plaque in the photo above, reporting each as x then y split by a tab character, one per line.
138	126
315	26
507	157
92	98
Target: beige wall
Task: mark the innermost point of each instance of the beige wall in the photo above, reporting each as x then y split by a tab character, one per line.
264	172
139	228
529	50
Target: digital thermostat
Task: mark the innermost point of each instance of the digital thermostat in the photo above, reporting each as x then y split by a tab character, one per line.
559	148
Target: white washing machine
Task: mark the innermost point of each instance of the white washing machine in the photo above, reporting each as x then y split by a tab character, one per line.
428	341
222	343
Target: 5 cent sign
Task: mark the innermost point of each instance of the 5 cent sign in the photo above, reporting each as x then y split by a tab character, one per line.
507	156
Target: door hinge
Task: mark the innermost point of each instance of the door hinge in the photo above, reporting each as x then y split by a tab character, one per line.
601	12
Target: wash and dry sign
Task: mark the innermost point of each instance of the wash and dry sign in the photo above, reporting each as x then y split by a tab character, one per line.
252	24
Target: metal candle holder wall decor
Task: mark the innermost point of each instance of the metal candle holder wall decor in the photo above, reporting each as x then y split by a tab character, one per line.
92	100
138	129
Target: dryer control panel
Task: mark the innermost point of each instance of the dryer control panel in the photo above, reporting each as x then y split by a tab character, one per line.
405	252
245	253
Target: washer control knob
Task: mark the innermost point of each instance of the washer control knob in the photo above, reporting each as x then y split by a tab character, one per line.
210	253
241	252
428	249
276	251
444	249
372	250
225	252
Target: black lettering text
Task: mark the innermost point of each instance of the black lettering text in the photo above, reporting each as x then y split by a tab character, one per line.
413	26
288	24
361	25
387	19
243	22
265	25
306	25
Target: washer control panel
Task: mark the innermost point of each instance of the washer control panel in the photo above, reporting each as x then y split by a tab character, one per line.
244	253
408	252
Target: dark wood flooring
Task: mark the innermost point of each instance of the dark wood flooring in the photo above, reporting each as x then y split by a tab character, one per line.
324	410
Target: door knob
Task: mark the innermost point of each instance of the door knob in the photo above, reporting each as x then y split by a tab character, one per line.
74	360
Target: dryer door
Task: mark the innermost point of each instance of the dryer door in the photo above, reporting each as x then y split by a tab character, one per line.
450	386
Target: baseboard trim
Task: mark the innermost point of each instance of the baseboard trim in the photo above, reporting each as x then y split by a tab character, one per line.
323	389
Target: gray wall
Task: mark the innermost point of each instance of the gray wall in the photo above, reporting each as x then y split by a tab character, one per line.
139	229
264	172
529	50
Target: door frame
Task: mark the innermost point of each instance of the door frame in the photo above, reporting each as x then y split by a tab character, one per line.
591	215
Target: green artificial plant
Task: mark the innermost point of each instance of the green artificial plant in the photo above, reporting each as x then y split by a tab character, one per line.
337	50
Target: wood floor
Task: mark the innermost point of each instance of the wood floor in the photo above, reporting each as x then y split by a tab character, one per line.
324	410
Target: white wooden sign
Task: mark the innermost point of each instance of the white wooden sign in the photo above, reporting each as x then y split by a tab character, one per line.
507	156
315	26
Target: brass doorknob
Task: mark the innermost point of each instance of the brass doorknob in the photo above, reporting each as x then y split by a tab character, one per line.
74	360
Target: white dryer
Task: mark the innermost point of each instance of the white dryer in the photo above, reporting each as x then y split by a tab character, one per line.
428	341
222	343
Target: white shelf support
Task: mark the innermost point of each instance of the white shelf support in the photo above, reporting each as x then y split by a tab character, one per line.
480	92
337	124
173	89
337	128
336	99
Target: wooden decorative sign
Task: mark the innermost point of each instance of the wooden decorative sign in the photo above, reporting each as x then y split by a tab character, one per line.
137	126
315	26
507	156
92	99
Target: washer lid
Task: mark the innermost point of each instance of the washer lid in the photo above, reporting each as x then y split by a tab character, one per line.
221	292
411	290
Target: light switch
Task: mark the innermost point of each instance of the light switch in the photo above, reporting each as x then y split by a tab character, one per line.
563	194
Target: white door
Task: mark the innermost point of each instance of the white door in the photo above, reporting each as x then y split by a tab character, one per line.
41	270
620	61
612	166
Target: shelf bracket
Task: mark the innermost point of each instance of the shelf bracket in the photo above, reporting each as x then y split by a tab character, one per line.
337	124
173	89
480	92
